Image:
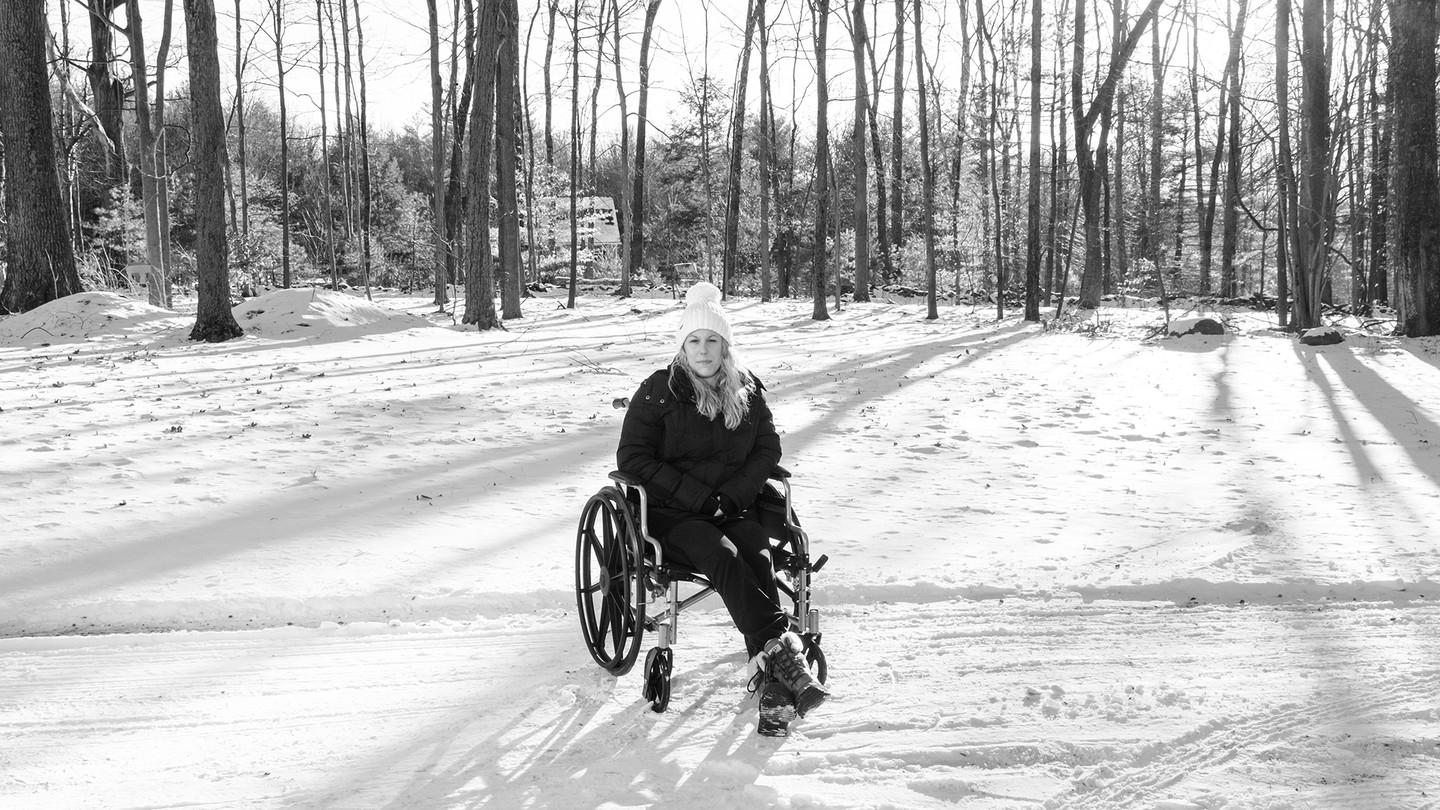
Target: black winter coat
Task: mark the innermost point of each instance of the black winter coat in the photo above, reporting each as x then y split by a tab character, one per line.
683	458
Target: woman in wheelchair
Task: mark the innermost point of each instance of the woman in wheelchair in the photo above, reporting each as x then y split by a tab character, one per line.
701	437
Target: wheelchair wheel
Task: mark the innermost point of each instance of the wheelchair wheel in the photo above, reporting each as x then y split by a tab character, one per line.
608	588
658	664
815	657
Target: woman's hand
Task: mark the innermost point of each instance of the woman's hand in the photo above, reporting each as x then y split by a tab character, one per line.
720	505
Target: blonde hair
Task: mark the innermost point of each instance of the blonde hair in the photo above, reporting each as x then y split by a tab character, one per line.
725	393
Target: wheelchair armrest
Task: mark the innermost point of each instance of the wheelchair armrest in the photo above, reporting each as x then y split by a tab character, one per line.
779	473
625	478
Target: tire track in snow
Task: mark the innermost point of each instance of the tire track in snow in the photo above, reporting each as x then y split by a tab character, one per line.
1232	742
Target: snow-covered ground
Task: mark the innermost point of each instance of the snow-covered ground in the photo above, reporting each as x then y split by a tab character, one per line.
330	564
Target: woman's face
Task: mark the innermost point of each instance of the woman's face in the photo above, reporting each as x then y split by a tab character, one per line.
703	350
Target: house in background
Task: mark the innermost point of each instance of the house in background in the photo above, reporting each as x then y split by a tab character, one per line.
597	229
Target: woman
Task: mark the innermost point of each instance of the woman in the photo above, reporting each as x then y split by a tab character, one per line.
700	436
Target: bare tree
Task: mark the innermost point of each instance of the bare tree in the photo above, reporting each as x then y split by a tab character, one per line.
279	21
507	77
146	155
107	90
859	41
642	122
897	126
1284	165
766	148
730	260
364	106
1314	225
460	114
439	249
625	165
41	257
574	151
214	320
162	167
1415	187
240	221
1229	284
821	9
927	174
1091	283
480	271
553	9
877	154
1032	215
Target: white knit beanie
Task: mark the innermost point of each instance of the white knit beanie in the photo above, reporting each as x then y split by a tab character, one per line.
702	311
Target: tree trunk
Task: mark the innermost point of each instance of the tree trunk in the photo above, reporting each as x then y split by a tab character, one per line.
957	163
642	122
1315	211
1032	217
1379	240
145	156
507	77
554	11
365	263
993	238
1149	236
858	43
1415	187
927	173
214	320
1284	167
108	92
279	8
242	156
897	127
574	151
1229	285
1119	218
766	146
730	260
626	282
327	209
595	91
821	9
877	152
347	131
41	265
437	157
455	194
480	273
162	166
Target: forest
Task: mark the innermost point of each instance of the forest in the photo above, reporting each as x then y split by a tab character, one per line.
1029	156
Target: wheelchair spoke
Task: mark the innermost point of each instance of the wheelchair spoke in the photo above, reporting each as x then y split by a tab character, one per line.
602	628
619	627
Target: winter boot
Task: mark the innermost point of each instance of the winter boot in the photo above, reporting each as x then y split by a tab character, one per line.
776	701
785	662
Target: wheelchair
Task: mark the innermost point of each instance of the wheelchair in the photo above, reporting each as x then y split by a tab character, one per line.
618	565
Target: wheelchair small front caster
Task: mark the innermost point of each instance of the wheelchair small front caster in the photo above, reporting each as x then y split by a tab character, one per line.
658	663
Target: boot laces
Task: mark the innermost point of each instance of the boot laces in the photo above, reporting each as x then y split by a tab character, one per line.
759	672
789	666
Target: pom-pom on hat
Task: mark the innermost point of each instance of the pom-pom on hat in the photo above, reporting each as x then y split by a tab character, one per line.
703	311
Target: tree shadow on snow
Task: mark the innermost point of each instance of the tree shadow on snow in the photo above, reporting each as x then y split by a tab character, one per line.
551	755
1408	425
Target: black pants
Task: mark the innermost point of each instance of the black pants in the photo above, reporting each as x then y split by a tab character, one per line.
735	556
